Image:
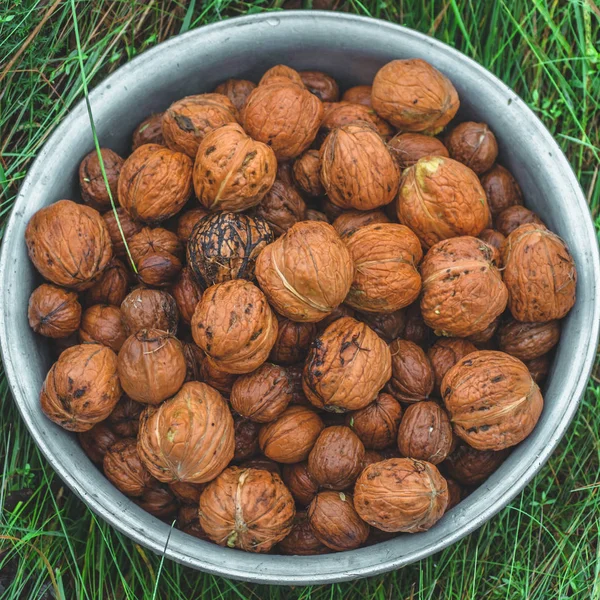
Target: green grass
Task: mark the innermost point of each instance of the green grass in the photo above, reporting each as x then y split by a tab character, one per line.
544	546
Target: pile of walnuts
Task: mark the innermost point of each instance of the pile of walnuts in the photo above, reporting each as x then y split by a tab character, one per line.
307	323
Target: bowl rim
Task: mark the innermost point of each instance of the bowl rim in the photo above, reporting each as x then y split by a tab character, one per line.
300	570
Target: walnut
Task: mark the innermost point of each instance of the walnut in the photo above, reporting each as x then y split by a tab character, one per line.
515	216
291	437
155	183
377	423
494	239
415	329
300	482
187	493
444	354
301	540
474	145
237	90
501	189
307	169
539	368
144	308
225	246
470	467
152	366
343	113
96	441
527	341
246	438
441	198
232	171
283	115
82	387
188	521
249	509
187	221
280	72
128	225
359	94
401	494
149	131
124	469
101	324
463	290
323	86
335	522
492	400
262	463
293	341
388	326
190	437
59	345
111	287
485	336
194	357
68	244
282	207
187	294
53	311
348	222
158	269
408	148
412	375
124	420
371	457
315	215
159	501
337	313
357	170
455	494
540	274
330	210
152	240
91	180
220	380
295	375
285	172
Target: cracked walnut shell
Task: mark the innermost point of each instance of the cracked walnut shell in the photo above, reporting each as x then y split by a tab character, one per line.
53	311
377	423
412	376
474	145
91	180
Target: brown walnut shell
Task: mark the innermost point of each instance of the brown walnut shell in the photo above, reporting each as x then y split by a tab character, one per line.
492	400
246	438
96	441
159	501
188	521
152	366
388	326
124	420
128	225
486	336
415	329
53	311
301	540
149	131
474	145
124	469
377	423
408	148
82	387
494	239
293	341
249	509
285	172
282	207
300	482
359	94
194	357
262	463
190	437
295	375
307	173
323	86
101	324
279	72
455	494
441	198
315	215
152	240
144	308
515	216
539	368
187	221
445	353
470	467
539	273
527	341
237	90
68	244
111	287
349	221
372	457
187	493
412	375
337	313
414	96
343	113
91	180
220	380
501	189
331	211
158	269
187	294
401	494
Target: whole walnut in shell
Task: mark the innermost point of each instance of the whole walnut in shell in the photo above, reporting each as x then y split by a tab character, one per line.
388	326
415	329
486	336
527	341
101	324
463	290
158	269
492	400
282	207
349	221
187	221
515	216
441	198
232	171
152	366
187	493
128	225
220	380
91	180
262	395
53	311
539	368
307	272
280	72
377	423
237	90
359	94
474	145
235	327
290	438
408	148
293	341
187	294
262	463
330	210
144	308
343	113
539	273
187	121
336	459
301	541
149	131
194	358
323	86
493	239
401	494
82	387
307	169
246	438
68	244
96	441
316	215
225	246
159	501
188	521
111	287
337	313
445	353
412	375
425	432
357	170
470	467
335	522
501	189
386	257
249	509
347	366
155	183
124	420
190	437
300	482
124	469
372	457
283	115
153	240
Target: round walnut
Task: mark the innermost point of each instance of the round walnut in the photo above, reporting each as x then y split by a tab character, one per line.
463	290
155	183
386	257
323	86
225	246
414	96
96	441
444	354
262	395
359	94
220	380
293	341
282	207
283	115
377	424
412	375
128	226
187	221
515	216
237	90
124	469
111	287
68	244
279	72
124	420
485	336
262	463
401	494
249	509
415	329
539	368
101	324
188	521
235	327
388	326
301	541
425	433
501	189
158	269
357	170
82	387
493	239
159	501
408	148
53	311
335	522
190	437
455	494
300	482
492	400
149	131
474	145
315	215
157	239
144	308
187	493
187	294
470	467
371	457
347	366
152	366
291	437
246	438
330	210
540	274
441	198
91	180
306	171
348	222
527	341
232	171
343	113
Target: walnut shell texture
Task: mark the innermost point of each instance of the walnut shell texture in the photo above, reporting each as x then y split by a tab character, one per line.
455	494
159	501
220	380
474	145
445	353
246	438
280	72
124	420
470	467
300	482
128	225
371	457
154	239
301	540
515	216
158	269
187	493
493	239
91	180
111	287
323	86
501	189
349	221
53	311
388	326
316	215
408	148
124	469
293	341
359	94
415	329
412	374
307	169
237	90
262	463
144	308
188	521
101	324
527	341
149	131
539	368
96	441
187	294
282	207
187	221
377	423
193	359
343	113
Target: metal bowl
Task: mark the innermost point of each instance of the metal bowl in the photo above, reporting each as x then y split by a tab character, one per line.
351	49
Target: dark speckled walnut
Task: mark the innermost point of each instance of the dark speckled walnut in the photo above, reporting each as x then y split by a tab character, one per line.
91	180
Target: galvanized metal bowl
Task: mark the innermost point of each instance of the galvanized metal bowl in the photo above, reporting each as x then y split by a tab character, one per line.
351	49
